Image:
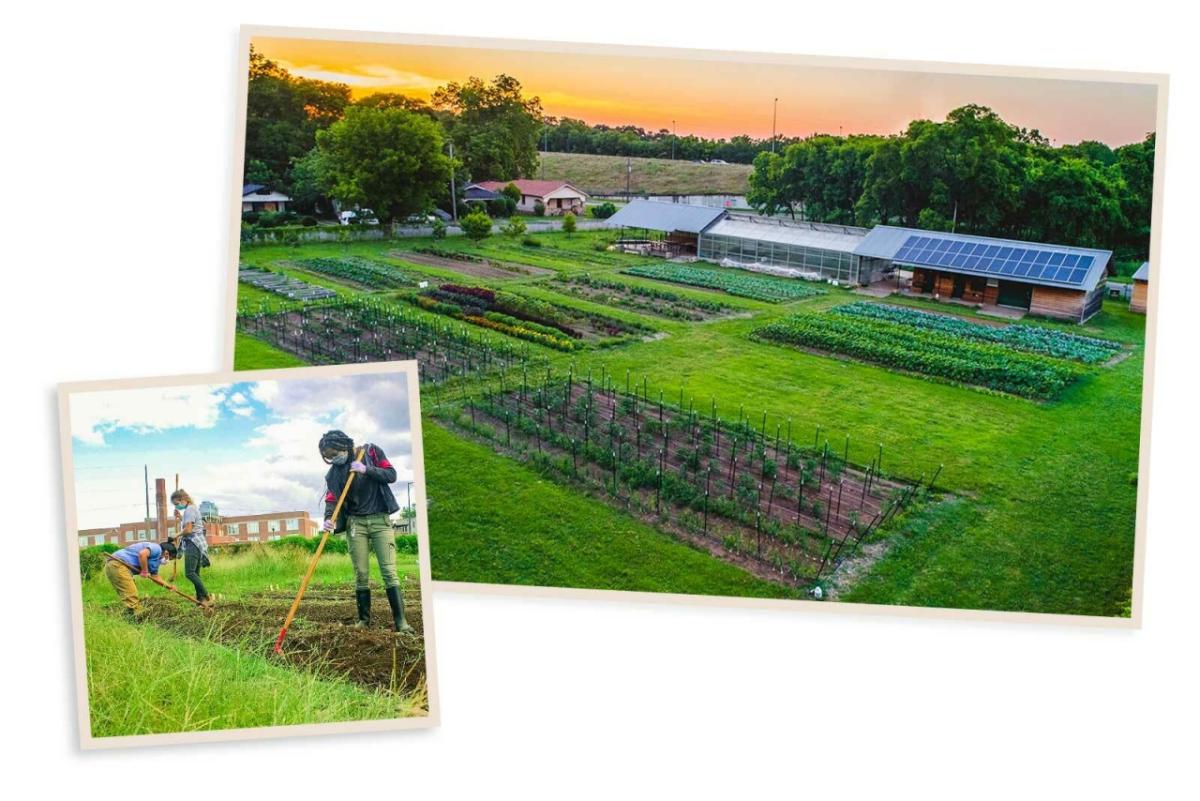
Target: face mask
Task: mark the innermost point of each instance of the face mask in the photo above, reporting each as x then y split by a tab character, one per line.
340	458
181	506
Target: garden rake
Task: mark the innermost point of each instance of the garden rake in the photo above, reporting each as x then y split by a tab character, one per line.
312	563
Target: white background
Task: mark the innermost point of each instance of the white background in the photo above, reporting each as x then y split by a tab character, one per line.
117	131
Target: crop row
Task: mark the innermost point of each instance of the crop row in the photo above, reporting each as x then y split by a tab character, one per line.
661	302
1029	338
734	282
924	351
359	270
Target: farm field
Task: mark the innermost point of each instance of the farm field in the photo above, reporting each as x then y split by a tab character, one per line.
328	672
605	175
1035	506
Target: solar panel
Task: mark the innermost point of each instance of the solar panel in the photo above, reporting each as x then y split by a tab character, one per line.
1030	263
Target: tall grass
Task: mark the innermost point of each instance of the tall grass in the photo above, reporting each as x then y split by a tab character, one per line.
144	680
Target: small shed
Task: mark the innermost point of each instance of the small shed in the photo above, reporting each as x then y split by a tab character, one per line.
1141	289
679	223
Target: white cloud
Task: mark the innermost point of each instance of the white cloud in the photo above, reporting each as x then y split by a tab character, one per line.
277	468
94	414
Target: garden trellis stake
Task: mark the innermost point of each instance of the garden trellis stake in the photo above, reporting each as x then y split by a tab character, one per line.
312	563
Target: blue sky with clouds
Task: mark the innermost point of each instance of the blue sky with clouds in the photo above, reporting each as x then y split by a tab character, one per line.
250	447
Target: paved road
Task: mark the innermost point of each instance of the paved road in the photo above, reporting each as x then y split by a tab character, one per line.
540	226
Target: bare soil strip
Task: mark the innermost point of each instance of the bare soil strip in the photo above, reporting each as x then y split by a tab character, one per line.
477	269
322	638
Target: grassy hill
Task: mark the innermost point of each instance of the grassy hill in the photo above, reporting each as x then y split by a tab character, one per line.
606	175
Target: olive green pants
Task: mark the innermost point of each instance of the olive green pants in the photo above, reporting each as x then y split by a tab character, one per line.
372	533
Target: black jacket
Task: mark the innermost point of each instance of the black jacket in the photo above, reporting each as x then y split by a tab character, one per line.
369	494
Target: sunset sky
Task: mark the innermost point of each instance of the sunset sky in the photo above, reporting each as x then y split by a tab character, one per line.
724	99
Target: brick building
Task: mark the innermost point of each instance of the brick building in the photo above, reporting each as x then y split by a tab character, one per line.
220	531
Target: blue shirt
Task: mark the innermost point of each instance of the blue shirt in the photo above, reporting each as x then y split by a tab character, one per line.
130	554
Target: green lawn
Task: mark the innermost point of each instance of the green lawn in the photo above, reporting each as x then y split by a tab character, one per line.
1046	520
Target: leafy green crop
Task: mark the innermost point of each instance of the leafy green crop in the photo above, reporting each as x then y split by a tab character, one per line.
735	282
1030	338
361	271
925	351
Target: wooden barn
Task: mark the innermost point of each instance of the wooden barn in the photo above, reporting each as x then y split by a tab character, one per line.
1058	281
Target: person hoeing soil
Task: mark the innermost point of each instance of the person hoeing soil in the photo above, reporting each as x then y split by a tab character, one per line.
192	543
140	559
365	517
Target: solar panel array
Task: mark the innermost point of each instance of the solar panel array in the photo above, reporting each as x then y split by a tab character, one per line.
1000	261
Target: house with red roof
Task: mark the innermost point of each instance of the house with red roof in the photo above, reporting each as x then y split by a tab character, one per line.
559	197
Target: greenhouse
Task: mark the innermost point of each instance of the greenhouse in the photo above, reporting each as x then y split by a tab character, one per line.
815	251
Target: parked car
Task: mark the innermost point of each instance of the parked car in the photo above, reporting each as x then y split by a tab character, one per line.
358	217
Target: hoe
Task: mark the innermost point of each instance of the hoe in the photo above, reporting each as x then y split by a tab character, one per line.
312	564
159	582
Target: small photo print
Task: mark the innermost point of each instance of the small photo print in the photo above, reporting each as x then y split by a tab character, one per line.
251	554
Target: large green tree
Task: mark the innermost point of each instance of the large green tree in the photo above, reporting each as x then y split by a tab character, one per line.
495	128
387	159
283	115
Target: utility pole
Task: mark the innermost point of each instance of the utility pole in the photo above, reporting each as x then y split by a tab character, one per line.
628	175
674	137
453	190
146	470
774	118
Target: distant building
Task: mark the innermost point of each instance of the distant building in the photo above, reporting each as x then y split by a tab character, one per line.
1141	289
559	197
219	530
260	197
1051	280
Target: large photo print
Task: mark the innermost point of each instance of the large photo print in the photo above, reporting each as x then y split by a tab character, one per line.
725	325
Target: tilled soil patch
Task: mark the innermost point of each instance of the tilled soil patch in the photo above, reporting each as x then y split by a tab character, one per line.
483	268
321	638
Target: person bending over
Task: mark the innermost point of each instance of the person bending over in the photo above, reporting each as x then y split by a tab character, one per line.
140	559
365	517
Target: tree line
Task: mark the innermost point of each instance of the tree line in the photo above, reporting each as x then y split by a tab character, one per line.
972	173
387	152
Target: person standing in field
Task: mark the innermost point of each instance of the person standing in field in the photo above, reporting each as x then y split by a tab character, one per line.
140	559
193	543
365	517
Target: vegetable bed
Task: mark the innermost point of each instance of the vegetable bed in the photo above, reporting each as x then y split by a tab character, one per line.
734	282
364	272
925	351
1028	338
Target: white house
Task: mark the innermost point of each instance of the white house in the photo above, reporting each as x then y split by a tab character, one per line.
559	197
259	197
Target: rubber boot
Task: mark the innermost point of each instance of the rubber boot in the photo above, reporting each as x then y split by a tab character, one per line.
364	608
396	601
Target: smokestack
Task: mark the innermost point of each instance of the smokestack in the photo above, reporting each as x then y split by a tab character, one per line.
160	505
